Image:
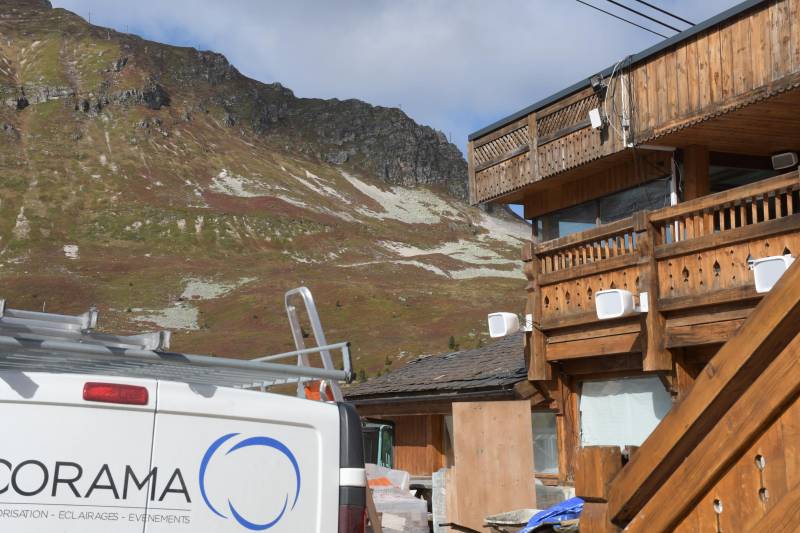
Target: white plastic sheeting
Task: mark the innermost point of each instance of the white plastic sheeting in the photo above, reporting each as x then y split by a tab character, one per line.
621	411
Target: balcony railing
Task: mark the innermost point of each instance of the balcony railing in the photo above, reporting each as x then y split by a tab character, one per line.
698	252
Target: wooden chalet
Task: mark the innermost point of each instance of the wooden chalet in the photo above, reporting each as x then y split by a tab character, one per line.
418	398
448	409
673	193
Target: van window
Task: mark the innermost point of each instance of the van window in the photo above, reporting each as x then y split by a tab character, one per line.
620	412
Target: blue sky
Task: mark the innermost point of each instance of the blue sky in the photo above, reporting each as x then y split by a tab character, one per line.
456	65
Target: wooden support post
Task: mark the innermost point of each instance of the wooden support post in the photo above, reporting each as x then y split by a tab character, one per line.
473	194
595	469
533	153
536	341
696	181
655	356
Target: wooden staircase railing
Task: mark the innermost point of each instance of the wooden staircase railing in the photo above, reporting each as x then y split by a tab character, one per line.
742	390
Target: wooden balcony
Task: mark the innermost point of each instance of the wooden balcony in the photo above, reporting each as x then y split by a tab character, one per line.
729	84
692	259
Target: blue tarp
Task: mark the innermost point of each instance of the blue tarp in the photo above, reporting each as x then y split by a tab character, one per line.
566	510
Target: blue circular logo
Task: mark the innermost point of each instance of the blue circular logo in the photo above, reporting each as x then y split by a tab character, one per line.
266	442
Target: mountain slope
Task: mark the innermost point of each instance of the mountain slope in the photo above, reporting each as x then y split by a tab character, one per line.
170	190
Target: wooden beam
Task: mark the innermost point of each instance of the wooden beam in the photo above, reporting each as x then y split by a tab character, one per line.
471	172
611	345
536	343
696	181
700	334
655	355
602	365
765	334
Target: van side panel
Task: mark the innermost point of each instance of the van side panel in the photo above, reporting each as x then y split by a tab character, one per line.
252	461
68	465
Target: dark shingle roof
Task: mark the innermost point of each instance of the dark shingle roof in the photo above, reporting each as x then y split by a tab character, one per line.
498	365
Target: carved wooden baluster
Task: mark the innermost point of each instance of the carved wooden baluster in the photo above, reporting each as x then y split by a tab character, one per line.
708	221
765	207
779	203
754	209
687	222
790	201
743	213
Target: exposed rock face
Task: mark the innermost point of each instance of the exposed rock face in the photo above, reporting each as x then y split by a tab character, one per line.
382	141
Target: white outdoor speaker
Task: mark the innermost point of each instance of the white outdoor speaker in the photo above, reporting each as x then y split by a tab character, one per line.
768	270
784	160
502	324
596	118
614	303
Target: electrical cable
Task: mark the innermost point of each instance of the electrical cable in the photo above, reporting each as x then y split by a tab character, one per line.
673	15
621	18
648	17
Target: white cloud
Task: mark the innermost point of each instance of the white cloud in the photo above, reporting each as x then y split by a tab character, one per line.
456	65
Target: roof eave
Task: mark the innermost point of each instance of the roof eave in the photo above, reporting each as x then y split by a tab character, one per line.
641	56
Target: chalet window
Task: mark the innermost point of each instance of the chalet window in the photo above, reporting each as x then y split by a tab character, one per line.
616	206
620	412
545	443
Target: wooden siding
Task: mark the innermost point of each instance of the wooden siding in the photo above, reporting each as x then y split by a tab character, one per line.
419	443
743	60
712	77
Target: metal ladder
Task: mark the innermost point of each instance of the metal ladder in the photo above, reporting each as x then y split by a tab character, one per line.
304	294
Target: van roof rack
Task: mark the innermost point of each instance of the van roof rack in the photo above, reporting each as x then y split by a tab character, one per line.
45	342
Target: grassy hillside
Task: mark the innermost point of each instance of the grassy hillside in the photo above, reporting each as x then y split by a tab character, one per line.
172	192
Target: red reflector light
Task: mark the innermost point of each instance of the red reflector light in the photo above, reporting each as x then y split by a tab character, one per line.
352	519
115	393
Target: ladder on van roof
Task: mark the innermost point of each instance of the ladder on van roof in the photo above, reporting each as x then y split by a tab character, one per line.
33	341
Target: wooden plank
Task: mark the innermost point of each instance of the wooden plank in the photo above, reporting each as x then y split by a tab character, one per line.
710	298
598	346
598	329
596	467
765	334
700	334
715	65
779	37
761	46
742	60
494	454
726	61
704	71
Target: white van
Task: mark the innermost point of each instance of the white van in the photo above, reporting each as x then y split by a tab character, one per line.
101	434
